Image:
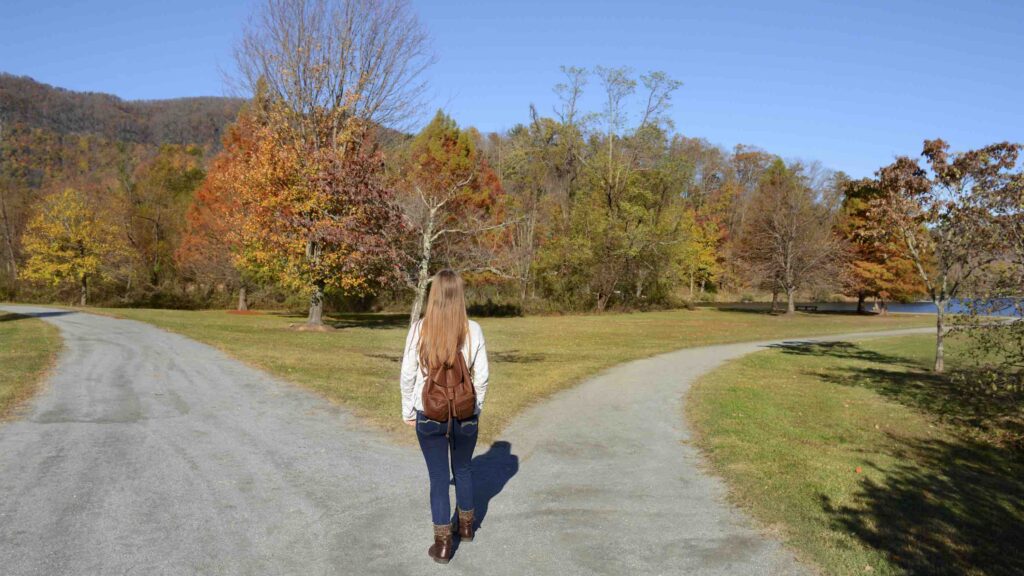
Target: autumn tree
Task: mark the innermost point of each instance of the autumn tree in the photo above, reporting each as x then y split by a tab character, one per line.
877	267
625	209
211	242
698	254
327	61
6	223
68	241
450	198
788	239
332	72
317	220
154	195
947	216
540	171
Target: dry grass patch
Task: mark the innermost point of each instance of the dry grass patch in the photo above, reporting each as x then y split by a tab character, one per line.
28	348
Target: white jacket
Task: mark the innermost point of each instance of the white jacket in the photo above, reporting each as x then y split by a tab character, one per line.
412	379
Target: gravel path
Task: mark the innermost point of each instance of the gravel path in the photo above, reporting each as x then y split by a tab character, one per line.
148	453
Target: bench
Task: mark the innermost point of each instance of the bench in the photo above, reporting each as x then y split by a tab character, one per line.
807	308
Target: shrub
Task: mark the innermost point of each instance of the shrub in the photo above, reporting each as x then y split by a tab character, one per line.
491	309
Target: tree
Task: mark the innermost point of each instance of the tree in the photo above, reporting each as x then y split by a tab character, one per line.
328	72
788	239
540	175
154	197
68	241
331	60
698	257
450	196
625	208
876	267
211	243
317	220
947	217
6	226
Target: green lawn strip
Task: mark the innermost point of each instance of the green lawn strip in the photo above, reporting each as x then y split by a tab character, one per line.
531	357
847	451
28	348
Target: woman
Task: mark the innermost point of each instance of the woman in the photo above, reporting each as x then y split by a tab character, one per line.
434	341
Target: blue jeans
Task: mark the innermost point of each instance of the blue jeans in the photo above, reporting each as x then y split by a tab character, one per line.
436	446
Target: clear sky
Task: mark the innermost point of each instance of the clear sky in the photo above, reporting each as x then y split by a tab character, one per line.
849	83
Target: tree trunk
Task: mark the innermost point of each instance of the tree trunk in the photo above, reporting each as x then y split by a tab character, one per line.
940	322
83	296
860	302
791	301
424	273
602	301
316	305
12	264
691	285
775	299
243	304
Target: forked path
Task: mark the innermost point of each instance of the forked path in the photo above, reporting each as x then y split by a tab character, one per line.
148	453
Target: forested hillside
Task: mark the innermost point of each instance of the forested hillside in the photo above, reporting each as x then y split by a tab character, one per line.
135	163
23	101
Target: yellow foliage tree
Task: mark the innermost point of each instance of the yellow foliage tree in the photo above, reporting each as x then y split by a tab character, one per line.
697	255
68	242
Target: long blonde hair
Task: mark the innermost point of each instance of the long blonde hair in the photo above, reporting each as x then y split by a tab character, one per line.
445	326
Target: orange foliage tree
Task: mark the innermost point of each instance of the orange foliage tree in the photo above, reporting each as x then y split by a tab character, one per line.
317	218
210	244
452	201
877	267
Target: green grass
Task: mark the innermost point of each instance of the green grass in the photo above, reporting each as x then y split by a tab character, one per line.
27	349
866	462
531	357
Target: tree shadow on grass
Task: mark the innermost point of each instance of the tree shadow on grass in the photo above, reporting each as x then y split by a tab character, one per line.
841	350
516	357
13	316
375	320
359	319
765	309
948	507
992	415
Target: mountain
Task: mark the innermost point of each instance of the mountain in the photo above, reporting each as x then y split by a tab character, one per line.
198	120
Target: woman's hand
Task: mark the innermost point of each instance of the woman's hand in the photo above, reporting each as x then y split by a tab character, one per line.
409	422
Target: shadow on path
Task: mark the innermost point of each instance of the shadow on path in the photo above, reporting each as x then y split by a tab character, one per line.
491	471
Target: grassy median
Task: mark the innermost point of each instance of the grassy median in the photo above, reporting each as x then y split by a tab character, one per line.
27	349
531	358
865	461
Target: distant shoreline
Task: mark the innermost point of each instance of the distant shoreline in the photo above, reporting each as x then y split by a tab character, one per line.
920	307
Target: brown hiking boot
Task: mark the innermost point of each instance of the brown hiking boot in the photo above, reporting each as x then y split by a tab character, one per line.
464	524
441	551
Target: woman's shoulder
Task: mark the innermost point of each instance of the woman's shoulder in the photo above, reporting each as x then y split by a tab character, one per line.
474	327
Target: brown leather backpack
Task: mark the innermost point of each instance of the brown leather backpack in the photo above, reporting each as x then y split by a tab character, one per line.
448	391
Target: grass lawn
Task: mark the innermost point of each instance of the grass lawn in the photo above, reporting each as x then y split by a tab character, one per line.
531	357
865	462
27	349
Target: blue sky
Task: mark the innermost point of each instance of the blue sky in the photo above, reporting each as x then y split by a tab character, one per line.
848	83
